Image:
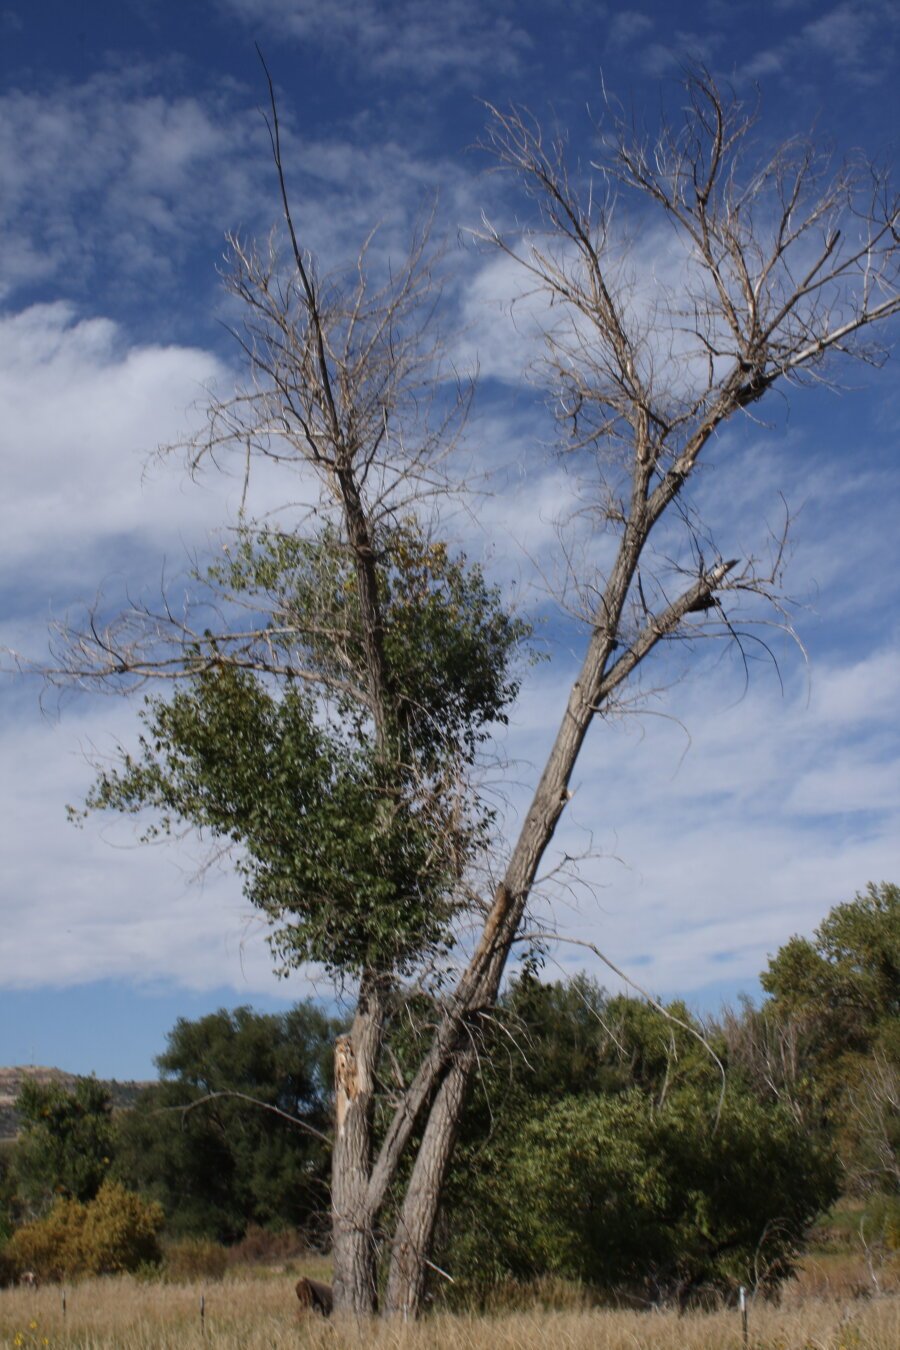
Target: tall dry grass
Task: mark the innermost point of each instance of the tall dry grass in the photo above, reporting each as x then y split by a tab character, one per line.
247	1313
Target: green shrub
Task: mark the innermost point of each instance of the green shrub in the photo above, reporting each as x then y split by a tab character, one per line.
663	1203
7	1273
116	1231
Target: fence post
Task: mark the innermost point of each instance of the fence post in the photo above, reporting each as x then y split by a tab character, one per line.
202	1314
742	1303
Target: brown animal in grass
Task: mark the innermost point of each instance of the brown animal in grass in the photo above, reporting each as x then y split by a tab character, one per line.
28	1280
315	1296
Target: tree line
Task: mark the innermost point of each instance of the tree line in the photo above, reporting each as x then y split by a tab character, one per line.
636	1149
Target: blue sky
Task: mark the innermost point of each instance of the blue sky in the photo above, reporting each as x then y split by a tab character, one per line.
130	141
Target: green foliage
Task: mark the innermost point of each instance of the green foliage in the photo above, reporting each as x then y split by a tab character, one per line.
881	1221
622	1193
7	1189
597	1153
840	996
228	1162
116	1231
351	848
66	1142
849	977
448	641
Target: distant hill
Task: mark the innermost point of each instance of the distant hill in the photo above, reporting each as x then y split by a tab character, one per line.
11	1080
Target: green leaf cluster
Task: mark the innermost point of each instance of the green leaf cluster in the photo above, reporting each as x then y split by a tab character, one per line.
221	1165
352	846
623	1193
839	996
848	977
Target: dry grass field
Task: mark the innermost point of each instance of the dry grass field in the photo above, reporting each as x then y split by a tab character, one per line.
250	1311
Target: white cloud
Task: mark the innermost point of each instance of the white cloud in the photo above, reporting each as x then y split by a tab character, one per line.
108	182
858	38
780	809
115	193
82	411
628	26
90	904
776	812
458	39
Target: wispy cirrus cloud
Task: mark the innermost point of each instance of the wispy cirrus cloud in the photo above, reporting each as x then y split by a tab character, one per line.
108	184
655	50
458	40
710	839
628	26
118	194
858	38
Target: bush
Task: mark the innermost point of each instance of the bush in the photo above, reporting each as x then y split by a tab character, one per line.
7	1273
627	1197
192	1259
51	1246
117	1231
265	1247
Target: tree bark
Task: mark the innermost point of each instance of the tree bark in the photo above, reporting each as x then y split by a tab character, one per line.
355	1059
414	1233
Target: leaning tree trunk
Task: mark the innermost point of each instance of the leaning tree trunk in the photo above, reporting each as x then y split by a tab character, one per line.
480	984
355	1059
414	1233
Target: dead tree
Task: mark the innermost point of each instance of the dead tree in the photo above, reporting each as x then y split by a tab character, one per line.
784	263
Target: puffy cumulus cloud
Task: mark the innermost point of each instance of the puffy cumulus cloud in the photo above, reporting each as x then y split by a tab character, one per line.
82	407
458	40
91	904
82	411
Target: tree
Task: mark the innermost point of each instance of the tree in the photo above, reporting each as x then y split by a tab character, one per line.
850	975
235	1133
345	761
66	1143
838	998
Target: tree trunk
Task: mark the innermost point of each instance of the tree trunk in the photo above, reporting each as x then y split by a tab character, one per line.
415	1227
355	1059
480	984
